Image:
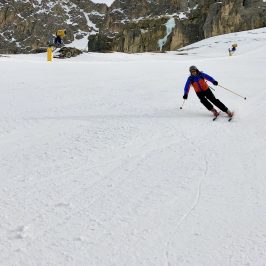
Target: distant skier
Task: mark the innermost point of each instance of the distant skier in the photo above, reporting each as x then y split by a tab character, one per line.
58	41
197	80
60	34
233	49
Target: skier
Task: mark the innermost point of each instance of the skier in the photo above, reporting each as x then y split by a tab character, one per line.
60	34
233	49
58	41
197	80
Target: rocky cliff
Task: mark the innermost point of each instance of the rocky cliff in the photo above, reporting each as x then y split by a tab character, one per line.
26	25
126	26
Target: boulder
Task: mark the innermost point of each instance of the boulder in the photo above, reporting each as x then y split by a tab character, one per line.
67	52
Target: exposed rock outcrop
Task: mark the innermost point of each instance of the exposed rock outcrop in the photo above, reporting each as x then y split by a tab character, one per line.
125	26
28	25
136	26
67	52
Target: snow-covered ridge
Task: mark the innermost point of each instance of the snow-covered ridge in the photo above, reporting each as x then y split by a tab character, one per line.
220	44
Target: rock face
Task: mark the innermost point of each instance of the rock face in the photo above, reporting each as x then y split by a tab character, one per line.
125	26
232	16
28	25
136	26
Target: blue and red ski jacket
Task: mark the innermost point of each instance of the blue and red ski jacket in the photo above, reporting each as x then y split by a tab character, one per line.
198	82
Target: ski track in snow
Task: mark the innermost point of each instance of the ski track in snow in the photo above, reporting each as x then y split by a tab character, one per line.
199	187
99	166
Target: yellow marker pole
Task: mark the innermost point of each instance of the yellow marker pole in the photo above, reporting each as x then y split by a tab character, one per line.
49	54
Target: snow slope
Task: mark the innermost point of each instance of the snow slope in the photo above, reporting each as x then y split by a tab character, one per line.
99	166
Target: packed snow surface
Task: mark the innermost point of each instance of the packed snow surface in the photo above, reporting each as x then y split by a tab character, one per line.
100	166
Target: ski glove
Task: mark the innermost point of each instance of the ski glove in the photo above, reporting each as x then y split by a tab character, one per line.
215	83
185	96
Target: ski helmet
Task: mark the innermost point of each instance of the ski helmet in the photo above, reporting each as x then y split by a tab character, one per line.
193	68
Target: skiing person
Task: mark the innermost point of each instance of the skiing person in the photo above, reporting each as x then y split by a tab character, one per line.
197	80
58	41
233	49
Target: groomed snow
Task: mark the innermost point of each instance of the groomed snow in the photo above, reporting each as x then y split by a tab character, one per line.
99	166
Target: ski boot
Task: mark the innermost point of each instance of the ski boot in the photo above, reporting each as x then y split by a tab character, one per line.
229	113
215	112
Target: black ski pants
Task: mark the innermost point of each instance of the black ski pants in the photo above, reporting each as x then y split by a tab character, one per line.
207	96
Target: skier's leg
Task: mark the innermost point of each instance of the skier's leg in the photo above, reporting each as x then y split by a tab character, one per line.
216	102
204	101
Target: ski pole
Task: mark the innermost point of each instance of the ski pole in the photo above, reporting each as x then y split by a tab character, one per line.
211	88
233	92
181	107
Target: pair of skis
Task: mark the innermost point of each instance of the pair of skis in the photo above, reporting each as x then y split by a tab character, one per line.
229	118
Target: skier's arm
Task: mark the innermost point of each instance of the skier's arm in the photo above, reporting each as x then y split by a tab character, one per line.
209	78
187	87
